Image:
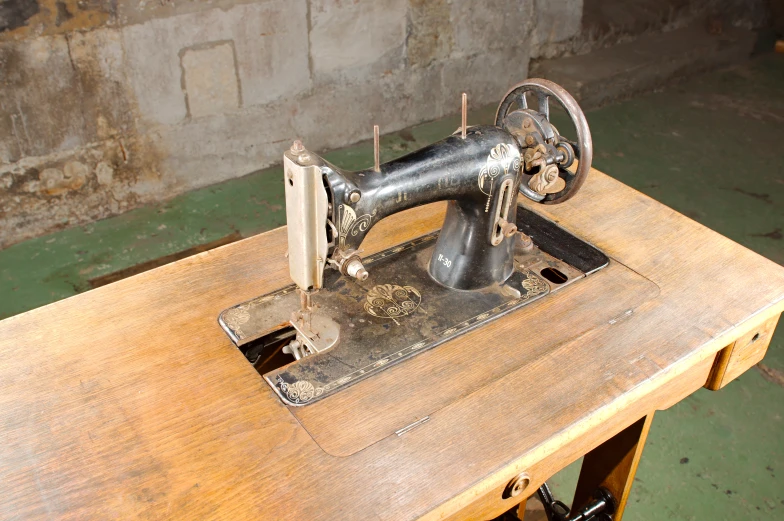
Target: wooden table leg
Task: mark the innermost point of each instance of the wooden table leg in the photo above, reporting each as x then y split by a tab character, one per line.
521	510
612	465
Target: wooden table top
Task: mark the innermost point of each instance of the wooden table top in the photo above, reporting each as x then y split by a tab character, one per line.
130	401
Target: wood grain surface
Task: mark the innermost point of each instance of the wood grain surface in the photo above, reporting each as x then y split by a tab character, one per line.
347	422
129	400
570	448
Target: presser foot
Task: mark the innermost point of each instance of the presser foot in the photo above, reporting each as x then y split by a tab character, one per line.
315	334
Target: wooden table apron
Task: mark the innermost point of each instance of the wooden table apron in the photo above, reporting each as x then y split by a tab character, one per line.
130	401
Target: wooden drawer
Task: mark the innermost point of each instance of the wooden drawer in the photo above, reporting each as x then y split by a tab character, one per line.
493	502
741	355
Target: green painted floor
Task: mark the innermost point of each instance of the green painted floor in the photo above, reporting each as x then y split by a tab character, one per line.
712	148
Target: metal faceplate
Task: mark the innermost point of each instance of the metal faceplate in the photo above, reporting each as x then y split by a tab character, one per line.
306	218
400	311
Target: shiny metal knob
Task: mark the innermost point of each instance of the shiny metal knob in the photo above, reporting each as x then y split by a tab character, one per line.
517	485
356	269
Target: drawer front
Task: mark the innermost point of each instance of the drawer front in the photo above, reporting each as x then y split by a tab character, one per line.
741	355
493	503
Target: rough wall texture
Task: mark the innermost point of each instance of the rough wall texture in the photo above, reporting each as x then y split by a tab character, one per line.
108	104
606	23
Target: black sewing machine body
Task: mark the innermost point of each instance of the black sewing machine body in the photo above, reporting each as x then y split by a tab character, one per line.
346	318
478	174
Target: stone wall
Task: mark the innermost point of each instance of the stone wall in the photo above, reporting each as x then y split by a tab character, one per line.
108	104
607	23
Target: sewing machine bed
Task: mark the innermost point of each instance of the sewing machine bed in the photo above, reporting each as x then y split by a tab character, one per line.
400	310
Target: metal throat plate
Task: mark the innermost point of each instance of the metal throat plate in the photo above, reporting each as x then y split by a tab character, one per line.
400	311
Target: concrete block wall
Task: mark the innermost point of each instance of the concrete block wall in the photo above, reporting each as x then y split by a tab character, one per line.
109	104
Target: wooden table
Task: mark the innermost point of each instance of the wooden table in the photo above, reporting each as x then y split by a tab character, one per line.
130	401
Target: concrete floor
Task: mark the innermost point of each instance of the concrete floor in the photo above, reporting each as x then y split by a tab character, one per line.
710	148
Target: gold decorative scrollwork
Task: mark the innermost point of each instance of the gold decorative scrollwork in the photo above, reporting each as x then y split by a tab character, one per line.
300	391
234	318
534	286
501	157
349	223
392	301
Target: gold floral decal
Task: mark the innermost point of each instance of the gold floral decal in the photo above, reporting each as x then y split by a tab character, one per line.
498	162
534	285
235	318
300	391
349	223
392	301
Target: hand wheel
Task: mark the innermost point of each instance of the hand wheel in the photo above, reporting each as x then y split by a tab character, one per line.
534	129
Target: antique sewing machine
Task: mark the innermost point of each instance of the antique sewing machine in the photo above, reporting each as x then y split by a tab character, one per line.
408	381
347	317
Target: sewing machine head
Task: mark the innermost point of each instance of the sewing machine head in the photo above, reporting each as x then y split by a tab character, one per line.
478	267
478	169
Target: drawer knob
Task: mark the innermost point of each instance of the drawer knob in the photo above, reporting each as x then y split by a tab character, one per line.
517	485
